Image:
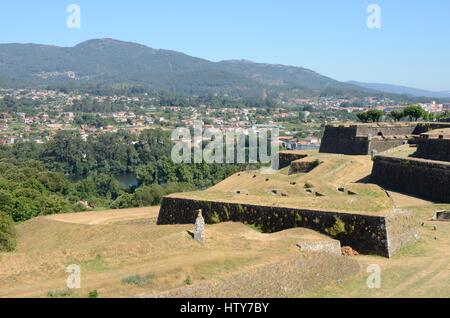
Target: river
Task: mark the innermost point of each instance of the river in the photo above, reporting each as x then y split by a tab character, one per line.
127	180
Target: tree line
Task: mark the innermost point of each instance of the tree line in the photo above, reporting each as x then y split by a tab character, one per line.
70	174
411	113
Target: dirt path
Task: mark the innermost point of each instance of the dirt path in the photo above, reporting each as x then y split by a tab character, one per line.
107	217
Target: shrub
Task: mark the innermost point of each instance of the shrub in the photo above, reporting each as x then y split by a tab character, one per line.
255	227
93	294
309	185
124	201
337	228
188	280
148	195
215	218
60	293
7	233
139	280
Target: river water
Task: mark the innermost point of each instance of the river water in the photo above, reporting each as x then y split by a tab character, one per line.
127	180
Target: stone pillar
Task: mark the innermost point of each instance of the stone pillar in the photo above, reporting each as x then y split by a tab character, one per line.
199	231
374	153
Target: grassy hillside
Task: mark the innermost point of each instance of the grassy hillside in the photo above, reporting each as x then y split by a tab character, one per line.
108	61
135	257
123	255
281	189
422	270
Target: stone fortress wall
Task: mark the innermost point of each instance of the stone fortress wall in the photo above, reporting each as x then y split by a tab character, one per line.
422	178
434	145
426	174
362	139
286	157
369	234
433	149
378	235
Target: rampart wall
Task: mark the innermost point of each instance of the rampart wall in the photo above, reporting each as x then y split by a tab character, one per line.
418	177
363	138
286	157
379	235
343	140
433	149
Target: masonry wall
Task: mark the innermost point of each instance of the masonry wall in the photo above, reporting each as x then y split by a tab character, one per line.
385	130
421	178
380	144
340	139
286	157
362	139
425	127
433	149
303	166
366	234
402	230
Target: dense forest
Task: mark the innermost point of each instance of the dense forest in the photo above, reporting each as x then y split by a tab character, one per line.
70	174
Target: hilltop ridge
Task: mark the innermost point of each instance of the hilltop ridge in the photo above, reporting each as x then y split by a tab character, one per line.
109	61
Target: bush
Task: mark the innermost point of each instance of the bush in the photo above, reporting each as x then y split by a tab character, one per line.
60	293
373	115
255	227
7	233
148	195
309	185
188	281
139	280
337	229
215	218
123	202
93	294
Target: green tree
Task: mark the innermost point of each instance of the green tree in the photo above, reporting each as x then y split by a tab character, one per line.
68	149
146	174
54	205
363	117
107	186
375	115
25	208
149	195
397	115
126	200
414	112
7	233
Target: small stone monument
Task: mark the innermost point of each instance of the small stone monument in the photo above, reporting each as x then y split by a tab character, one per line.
199	231
374	153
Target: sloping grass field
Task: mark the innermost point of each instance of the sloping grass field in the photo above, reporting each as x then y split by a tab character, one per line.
123	253
317	189
135	257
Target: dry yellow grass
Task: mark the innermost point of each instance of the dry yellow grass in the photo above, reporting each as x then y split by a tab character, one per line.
421	270
236	260
107	217
108	252
334	172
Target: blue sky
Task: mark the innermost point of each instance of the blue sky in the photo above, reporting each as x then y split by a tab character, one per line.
331	37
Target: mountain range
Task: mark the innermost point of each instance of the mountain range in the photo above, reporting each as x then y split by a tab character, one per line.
114	62
402	90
